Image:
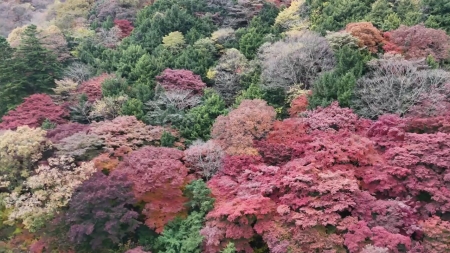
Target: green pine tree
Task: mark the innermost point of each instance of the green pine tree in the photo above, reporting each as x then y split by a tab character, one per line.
338	84
31	70
381	9
199	120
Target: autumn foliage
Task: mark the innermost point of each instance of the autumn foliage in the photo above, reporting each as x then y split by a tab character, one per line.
236	131
33	112
93	87
125	27
367	34
374	183
181	79
158	177
418	42
217	126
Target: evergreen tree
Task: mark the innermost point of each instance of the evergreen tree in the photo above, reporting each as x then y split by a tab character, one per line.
199	120
339	83
31	70
437	13
133	107
381	10
6	73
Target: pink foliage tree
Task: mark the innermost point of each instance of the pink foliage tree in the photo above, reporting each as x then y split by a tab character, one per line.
65	130
181	79
33	112
127	131
418	42
93	87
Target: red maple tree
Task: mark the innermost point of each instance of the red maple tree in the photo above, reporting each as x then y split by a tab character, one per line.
33	112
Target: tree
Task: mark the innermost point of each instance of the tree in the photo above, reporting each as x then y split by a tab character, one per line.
335	14
93	87
169	107
236	131
115	10
419	42
293	17
19	152
159	19
381	10
204	158
46	192
395	85
65	130
181	79
198	121
158	177
127	131
174	41
205	54
71	11
133	107
183	235
125	27
368	35
53	39
436	231
6	75
108	108
227	74
436	14
299	104
78	72
339	84
296	60
101	220
338	40
83	146
39	65
33	112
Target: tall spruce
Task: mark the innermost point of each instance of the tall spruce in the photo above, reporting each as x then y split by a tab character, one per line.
32	69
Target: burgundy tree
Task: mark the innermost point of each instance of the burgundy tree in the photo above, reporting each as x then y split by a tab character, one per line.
181	79
125	27
99	213
419	42
33	112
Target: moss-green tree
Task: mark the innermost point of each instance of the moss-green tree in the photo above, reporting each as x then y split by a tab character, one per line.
339	84
31	70
199	120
